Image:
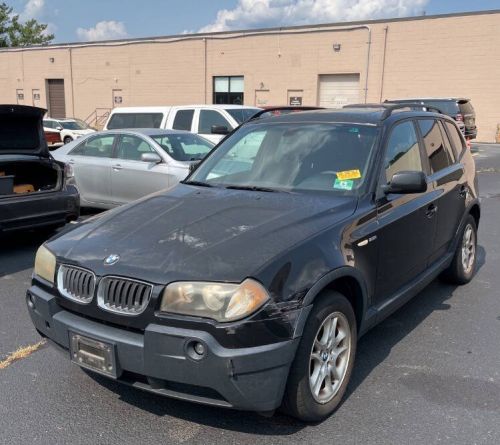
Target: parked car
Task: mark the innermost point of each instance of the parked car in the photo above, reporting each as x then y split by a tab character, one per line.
248	284
116	167
53	138
460	109
69	129
212	122
33	189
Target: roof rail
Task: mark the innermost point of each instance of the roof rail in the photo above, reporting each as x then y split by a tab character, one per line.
390	107
276	109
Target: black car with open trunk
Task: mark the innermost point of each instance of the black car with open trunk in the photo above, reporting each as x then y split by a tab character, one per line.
248	284
33	188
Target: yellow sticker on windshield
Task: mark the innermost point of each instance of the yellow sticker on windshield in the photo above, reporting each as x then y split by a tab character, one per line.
349	174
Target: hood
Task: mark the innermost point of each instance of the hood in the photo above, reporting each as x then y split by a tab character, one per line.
21	131
191	233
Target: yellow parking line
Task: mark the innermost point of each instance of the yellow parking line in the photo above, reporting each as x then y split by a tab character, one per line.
22	352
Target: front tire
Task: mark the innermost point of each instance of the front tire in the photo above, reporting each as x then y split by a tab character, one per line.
463	266
322	367
68	139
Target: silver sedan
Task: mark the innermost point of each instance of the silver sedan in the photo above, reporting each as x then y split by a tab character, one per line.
116	167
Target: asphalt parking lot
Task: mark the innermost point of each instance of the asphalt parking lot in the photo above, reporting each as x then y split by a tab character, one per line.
428	374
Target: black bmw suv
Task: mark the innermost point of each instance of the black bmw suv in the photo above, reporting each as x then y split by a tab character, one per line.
248	284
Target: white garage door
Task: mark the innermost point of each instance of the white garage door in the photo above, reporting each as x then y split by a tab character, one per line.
337	90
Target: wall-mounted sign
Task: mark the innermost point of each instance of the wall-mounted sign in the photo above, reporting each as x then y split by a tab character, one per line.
295	101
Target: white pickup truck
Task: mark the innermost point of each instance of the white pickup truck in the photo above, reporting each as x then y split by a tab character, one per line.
210	121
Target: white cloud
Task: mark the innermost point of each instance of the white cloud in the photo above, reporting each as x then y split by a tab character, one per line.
105	30
268	13
32	9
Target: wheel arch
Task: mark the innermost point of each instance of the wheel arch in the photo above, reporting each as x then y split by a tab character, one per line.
475	212
347	281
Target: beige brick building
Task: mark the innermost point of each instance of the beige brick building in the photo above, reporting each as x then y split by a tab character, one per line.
330	65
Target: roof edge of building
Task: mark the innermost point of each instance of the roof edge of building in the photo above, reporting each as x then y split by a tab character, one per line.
244	32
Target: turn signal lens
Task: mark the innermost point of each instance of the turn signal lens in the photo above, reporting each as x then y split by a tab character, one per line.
45	264
220	301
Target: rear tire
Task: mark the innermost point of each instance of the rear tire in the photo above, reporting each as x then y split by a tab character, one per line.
463	266
322	367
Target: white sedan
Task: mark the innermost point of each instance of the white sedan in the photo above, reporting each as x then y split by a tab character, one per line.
116	167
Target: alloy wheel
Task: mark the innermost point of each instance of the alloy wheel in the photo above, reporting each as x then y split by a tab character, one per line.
329	358
468	249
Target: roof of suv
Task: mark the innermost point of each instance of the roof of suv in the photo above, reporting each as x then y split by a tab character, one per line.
411	99
370	115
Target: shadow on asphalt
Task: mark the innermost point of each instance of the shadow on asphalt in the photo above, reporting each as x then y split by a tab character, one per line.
373	348
18	249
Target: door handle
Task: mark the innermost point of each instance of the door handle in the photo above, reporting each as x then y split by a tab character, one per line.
464	190
431	210
117	167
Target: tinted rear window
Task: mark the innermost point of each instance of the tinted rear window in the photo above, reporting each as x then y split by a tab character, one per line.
448	107
183	120
135	120
19	132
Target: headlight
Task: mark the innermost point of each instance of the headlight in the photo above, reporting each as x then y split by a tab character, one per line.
219	301
45	264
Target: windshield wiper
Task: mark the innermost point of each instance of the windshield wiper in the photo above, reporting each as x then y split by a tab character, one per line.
199	183
253	188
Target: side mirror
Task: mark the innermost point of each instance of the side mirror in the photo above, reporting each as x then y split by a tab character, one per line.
219	129
59	128
151	158
406	182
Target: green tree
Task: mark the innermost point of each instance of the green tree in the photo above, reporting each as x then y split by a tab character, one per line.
13	32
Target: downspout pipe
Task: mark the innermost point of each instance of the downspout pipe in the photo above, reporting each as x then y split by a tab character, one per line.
368	54
382	80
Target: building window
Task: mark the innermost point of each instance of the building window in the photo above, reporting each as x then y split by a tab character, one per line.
229	90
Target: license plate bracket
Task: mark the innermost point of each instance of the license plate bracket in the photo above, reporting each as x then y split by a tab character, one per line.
96	355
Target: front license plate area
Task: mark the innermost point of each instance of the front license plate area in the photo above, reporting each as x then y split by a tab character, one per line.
93	354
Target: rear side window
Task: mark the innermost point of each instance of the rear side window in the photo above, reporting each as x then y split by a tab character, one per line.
210	118
183	120
455	137
403	152
135	120
97	147
437	147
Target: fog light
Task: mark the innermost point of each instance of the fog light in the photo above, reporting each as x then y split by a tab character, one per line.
199	348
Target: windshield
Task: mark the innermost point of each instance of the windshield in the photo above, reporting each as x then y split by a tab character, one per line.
312	156
72	125
184	147
241	115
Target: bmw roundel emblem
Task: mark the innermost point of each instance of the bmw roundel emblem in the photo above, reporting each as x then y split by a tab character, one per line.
111	259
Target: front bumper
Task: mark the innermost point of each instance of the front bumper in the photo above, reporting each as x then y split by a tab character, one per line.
158	359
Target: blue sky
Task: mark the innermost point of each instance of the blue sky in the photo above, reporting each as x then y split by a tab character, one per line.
77	20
